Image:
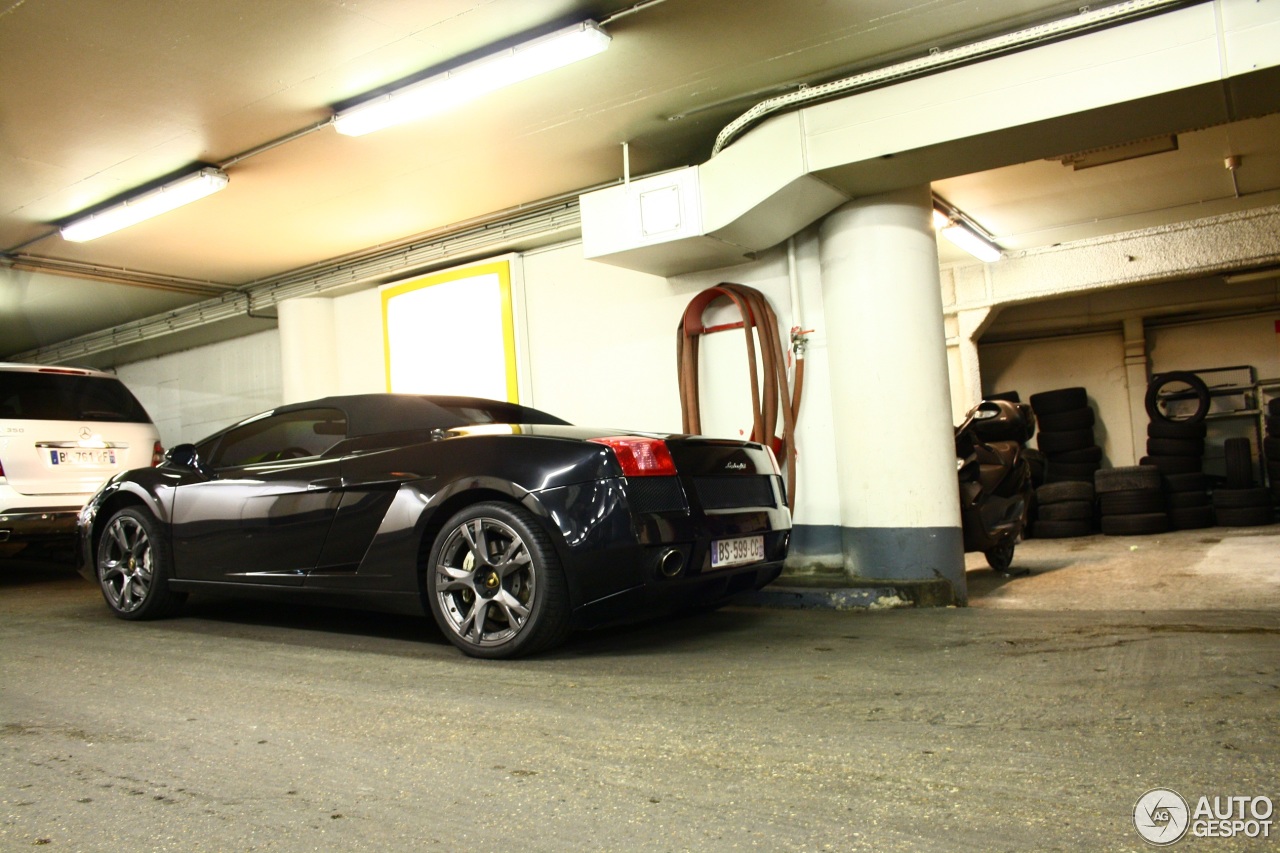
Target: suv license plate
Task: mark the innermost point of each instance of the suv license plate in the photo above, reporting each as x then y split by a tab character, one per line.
82	457
736	552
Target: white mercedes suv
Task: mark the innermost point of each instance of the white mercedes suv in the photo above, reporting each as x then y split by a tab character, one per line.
63	432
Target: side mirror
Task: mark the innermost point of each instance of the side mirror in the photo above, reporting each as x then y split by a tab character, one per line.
185	456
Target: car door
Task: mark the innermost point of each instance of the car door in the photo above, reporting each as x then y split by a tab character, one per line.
262	515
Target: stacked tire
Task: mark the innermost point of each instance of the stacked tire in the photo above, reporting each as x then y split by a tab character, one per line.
1241	502
1176	445
1131	501
1187	497
1064	510
1065	436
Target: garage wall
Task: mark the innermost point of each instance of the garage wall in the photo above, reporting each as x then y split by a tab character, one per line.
1095	362
198	391
601	341
1217	343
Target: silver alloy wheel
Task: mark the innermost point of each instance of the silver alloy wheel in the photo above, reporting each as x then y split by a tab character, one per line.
485	581
124	564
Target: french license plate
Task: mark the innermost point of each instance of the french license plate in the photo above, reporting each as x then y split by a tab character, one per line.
83	457
736	552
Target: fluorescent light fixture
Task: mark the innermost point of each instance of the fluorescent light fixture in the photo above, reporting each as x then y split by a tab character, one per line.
467	82
975	244
963	232
151	203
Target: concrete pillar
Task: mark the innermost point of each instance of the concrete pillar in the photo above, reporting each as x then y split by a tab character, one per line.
895	452
308	349
1136	372
970	324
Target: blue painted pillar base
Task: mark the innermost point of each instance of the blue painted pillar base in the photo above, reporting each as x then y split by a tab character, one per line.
843	567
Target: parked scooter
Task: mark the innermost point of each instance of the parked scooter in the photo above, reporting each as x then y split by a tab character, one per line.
995	478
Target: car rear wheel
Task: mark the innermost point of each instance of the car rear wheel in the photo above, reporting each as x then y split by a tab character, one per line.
134	567
495	584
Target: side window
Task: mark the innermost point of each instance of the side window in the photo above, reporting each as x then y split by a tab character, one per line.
292	435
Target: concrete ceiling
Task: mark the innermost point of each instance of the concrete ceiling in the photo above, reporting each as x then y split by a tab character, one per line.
100	98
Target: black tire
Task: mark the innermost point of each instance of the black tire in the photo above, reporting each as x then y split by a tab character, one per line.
1241	498
1000	558
1273	407
1138	524
1054	476
1271	447
1238	453
1082	418
1073	470
1175	447
1126	478
1067	511
1173	464
1192	518
1069	491
1245	516
134	564
1058	400
1197	386
1132	502
1092	453
1065	440
501	594
1196	481
1061	529
1187	500
1273	425
1176	429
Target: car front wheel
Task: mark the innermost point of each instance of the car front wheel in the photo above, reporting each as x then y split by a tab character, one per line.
495	583
134	567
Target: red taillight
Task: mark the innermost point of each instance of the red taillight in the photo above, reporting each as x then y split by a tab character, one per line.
641	457
157	455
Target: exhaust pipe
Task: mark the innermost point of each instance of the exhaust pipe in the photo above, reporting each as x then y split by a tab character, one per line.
671	563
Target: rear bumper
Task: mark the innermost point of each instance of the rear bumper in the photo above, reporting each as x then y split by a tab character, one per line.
668	595
39	533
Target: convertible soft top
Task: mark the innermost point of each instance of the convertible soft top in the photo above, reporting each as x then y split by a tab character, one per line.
373	414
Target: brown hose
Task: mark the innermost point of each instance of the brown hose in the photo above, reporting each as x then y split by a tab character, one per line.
758	321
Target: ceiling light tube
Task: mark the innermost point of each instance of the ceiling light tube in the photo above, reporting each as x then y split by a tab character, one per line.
467	82
972	242
146	205
963	232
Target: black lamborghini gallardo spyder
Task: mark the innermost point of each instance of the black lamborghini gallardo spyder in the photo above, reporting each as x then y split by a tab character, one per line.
510	526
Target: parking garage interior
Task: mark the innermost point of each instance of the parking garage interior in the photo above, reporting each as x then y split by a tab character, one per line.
1120	160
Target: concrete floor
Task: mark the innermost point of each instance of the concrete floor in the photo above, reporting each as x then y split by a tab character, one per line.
1032	720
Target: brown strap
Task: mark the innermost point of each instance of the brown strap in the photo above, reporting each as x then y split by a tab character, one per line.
758	322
